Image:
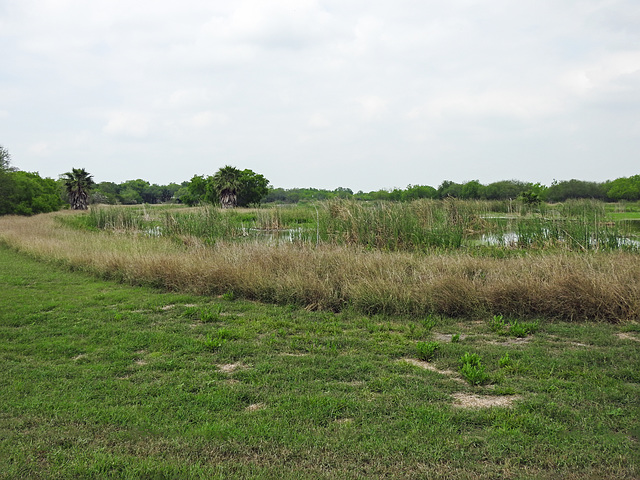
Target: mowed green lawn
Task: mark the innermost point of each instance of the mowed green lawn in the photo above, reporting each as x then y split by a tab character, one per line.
101	380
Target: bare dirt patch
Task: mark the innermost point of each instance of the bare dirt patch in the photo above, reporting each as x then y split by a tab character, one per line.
231	367
343	420
469	400
255	406
446	337
627	336
433	368
511	341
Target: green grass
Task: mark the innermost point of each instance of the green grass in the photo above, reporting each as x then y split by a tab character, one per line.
101	380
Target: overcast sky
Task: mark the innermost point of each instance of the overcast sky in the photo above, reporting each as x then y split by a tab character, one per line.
365	94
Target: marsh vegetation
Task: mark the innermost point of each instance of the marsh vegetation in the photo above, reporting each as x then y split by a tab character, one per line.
570	262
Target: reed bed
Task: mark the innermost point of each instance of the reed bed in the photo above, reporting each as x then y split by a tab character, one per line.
591	285
418	226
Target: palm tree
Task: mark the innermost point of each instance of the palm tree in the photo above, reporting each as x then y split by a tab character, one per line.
78	182
226	183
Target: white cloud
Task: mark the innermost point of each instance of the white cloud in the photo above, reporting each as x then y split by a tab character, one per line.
128	124
207	119
373	107
319	121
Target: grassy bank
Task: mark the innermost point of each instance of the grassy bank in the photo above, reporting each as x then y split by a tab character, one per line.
591	285
103	380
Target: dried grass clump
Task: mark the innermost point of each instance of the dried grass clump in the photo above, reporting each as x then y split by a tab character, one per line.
572	286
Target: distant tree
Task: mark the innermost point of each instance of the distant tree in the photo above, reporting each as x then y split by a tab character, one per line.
624	188
343	192
560	191
105	192
5	160
449	189
226	184
253	188
505	190
530	197
195	191
472	190
414	192
34	194
7	183
78	184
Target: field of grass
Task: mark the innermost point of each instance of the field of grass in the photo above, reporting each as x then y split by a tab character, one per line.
104	380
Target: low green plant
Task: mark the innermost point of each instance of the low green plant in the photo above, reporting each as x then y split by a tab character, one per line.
521	330
473	370
470	358
512	328
216	341
429	322
229	296
474	374
427	350
191	311
455	338
504	361
496	324
208	315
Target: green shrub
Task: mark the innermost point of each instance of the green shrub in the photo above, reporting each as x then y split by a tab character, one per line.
472	369
427	350
505	361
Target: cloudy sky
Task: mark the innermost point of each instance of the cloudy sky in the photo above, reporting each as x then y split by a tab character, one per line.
365	94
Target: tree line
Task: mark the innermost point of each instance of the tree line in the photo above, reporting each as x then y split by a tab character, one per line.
27	193
626	188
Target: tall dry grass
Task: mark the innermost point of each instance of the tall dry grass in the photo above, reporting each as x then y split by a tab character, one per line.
564	285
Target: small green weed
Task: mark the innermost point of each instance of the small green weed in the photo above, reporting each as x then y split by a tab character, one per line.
472	369
470	358
191	312
218	340
427	350
208	315
521	330
496	324
505	361
455	338
429	322
214	342
512	328
229	296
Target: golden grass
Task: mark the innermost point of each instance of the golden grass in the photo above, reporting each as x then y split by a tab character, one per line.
574	286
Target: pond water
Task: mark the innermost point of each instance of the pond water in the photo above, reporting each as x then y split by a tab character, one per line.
511	239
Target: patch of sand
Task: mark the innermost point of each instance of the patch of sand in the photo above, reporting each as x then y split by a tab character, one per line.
446	337
255	406
511	341
231	367
627	336
469	400
428	366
